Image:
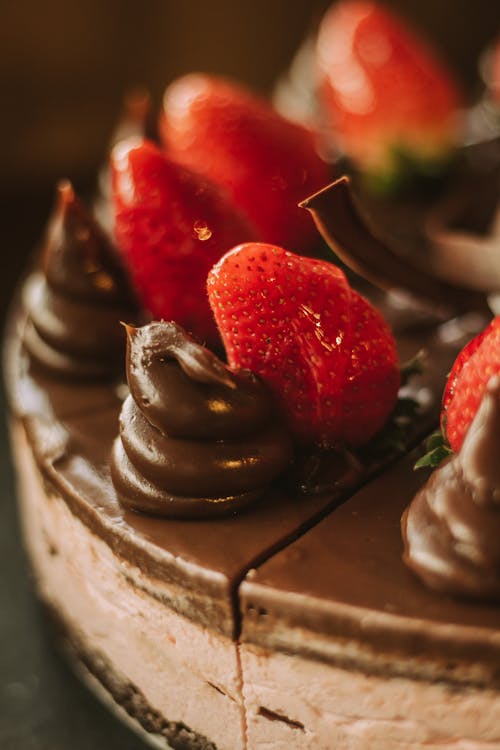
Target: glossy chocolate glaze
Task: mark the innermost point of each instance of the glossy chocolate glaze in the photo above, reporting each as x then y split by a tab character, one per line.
196	440
184	390
71	428
201	560
452	527
342	594
78	300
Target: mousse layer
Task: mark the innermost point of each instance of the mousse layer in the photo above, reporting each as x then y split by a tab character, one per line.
325	706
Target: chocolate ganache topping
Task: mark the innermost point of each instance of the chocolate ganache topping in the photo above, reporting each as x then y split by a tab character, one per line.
196	440
451	529
76	305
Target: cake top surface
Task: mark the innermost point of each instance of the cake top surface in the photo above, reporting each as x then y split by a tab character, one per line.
345	576
207	558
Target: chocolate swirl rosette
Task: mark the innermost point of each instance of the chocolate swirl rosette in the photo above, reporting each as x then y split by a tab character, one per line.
196	440
76	303
452	527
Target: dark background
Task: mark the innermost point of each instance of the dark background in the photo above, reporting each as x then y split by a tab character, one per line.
64	67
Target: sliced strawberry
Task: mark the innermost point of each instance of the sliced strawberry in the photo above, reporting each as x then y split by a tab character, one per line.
171	227
476	364
387	97
236	139
326	354
372	379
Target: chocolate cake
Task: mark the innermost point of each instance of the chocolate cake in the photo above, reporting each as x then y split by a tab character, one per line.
220	583
159	610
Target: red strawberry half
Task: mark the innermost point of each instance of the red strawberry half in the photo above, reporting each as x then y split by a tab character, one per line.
476	364
236	139
387	97
326	353
171	227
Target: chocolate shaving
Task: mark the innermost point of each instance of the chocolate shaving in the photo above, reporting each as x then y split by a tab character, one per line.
340	221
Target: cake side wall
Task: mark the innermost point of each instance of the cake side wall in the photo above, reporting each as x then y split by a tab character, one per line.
325	707
372	642
184	671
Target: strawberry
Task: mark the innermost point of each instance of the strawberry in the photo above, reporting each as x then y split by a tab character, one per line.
324	351
476	364
171	227
236	139
386	96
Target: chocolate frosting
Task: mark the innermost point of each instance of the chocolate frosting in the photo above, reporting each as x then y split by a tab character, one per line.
452	527
76	305
195	439
71	432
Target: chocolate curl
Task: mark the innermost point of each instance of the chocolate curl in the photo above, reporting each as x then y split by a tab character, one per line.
341	224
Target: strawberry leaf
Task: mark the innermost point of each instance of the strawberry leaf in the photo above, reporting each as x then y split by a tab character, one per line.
394	437
437	449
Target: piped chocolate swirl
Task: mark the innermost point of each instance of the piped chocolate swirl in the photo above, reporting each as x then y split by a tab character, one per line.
196	440
452	527
76	303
